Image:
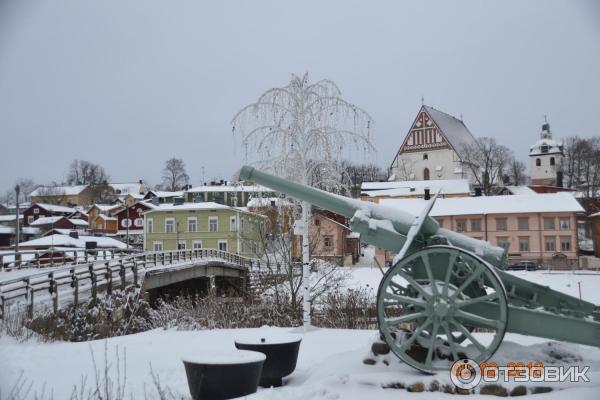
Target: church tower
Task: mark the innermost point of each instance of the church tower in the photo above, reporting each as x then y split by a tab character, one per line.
546	159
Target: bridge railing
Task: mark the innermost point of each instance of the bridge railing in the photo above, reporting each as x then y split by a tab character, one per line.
55	257
70	283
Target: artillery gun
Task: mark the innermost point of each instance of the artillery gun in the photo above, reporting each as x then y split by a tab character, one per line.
444	286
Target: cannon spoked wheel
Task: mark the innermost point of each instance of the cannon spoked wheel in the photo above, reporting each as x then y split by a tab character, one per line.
427	304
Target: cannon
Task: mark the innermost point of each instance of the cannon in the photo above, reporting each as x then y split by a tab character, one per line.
444	286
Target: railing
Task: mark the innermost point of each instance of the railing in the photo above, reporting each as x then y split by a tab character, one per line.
55	257
110	273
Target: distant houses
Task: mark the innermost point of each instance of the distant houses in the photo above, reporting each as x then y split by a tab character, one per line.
227	194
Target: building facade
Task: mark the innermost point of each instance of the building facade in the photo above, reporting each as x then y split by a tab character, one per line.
229	195
41	210
203	225
432	148
81	195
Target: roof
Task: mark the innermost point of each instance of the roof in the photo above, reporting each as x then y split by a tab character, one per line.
230	188
552	147
163	193
268	202
46	220
453	128
408	188
127	188
9	218
520	190
106	217
68	241
190	206
55	208
58	190
104	207
78	222
550	202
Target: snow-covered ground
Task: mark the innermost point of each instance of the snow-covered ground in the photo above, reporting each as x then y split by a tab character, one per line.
329	366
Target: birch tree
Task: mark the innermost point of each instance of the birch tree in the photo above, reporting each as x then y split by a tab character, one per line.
302	132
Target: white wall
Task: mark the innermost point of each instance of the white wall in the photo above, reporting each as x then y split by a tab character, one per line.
446	158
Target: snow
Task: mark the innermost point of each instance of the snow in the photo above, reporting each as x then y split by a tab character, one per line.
266	339
218	357
549	202
521	190
68	241
412	188
190	206
9	218
329	364
256	202
46	220
55	208
78	222
58	190
230	188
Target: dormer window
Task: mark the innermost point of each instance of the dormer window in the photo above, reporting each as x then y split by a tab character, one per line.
538	162
551	160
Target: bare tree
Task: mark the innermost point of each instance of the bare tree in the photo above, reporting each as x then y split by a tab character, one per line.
83	172
581	165
515	173
487	161
354	174
301	132
405	170
174	176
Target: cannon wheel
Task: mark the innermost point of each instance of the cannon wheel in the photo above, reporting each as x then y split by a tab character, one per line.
425	307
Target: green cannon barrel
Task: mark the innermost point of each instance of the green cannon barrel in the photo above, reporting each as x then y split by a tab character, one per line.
378	225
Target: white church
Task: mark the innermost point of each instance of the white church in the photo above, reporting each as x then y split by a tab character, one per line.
546	160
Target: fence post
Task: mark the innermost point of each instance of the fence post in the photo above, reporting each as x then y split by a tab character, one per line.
53	288
93	280
122	273
1	306
75	286
29	294
135	273
1	262
108	276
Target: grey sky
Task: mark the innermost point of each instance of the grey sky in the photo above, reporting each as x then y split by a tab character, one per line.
129	84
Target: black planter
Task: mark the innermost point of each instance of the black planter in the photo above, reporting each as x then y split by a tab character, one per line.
281	357
227	375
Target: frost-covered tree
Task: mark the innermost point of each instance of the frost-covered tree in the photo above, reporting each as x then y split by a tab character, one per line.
302	132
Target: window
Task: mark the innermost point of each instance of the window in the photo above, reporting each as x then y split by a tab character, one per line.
181	245
223	245
317	222
461	225
30	219
157	246
426	174
169	225
36	210
126	223
538	162
425	156
150	225
549	243
213	224
548	223
551	160
196	244
328	241
192	224
523	243
502	241
139	222
565	243
233	223
523	224
476	225
501	224
564	223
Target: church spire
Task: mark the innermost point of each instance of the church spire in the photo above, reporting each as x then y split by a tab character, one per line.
546	133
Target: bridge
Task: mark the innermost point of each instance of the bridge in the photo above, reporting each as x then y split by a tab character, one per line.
150	271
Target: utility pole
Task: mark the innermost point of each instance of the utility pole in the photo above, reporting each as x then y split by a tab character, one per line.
128	222
17	226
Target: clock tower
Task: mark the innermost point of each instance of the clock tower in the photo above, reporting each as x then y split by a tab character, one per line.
546	159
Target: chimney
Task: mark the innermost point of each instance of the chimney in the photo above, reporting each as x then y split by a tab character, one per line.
477	192
141	183
427	194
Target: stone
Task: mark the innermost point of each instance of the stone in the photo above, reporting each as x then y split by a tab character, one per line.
494	390
416	387
369	361
434	386
447	388
519	391
380	348
541	389
395	385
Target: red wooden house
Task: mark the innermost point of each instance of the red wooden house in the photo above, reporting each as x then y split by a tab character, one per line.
133	217
40	210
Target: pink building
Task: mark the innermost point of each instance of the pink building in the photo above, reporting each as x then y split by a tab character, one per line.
538	227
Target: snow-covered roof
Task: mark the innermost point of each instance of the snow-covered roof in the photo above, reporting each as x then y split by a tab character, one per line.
595	214
127	188
9	218
550	202
453	128
411	188
46	221
550	145
25	230
268	202
190	206
521	190
68	241
104	207
163	193
230	188
6	230
106	217
55	208
58	190
78	222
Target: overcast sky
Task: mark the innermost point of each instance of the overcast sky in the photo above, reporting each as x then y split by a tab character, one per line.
128	84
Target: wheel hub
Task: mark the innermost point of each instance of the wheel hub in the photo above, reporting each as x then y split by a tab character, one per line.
441	308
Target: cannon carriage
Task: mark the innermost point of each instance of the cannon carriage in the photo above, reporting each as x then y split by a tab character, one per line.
444	286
